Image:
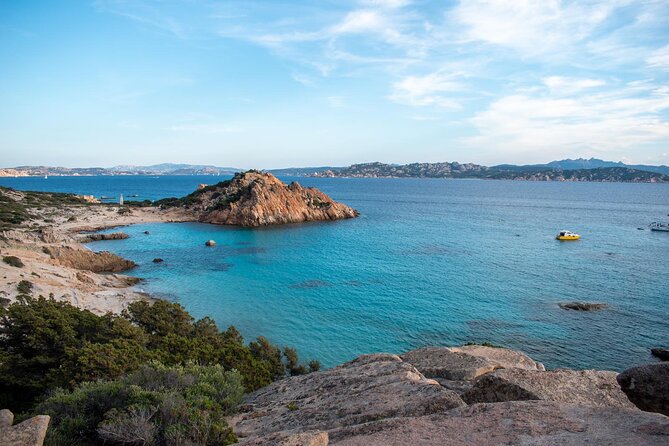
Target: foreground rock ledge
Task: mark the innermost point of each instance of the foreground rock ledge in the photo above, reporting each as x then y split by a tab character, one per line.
386	399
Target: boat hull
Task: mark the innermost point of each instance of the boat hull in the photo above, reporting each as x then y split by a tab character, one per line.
567	237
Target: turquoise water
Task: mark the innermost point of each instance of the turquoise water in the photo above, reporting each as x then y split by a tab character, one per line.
429	262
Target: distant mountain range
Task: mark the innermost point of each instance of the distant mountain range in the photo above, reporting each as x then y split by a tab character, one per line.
563	170
156	169
582	163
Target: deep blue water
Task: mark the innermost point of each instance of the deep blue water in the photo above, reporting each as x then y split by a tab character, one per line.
428	262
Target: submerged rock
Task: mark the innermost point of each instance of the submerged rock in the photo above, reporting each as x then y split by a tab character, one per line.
584	387
582	306
661	353
366	389
647	386
157	260
260	199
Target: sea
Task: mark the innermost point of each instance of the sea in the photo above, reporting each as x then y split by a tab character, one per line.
428	262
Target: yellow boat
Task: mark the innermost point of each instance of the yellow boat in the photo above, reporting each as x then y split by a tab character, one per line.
567	235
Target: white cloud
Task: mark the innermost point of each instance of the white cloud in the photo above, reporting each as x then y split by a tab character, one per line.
570	84
546	126
659	58
427	90
531	27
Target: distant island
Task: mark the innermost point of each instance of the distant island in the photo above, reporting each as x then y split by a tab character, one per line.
562	170
508	172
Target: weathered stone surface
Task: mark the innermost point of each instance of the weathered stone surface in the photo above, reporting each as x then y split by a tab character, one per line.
87	260
444	363
661	353
582	306
260	199
311	438
647	386
97	237
502	357
586	387
537	423
28	433
368	388
6	418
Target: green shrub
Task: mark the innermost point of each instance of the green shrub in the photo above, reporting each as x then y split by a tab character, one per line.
45	344
156	405
25	287
13	261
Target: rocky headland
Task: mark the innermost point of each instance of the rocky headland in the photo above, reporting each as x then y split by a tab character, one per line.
254	199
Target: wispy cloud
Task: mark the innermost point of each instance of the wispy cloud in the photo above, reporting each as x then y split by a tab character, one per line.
544	125
431	89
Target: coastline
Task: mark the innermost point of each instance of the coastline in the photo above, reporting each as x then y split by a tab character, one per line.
98	292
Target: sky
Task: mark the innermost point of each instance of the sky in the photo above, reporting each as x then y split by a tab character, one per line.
270	84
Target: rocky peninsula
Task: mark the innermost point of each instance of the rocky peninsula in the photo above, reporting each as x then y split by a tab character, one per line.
254	199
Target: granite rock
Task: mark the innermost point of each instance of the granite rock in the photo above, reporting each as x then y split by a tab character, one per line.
585	387
531	423
369	388
647	386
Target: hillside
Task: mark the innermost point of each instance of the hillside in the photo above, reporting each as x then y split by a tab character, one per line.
503	172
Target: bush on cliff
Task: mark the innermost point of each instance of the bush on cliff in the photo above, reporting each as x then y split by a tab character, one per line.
45	344
155	405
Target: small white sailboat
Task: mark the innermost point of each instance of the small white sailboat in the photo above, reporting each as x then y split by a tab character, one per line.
45	177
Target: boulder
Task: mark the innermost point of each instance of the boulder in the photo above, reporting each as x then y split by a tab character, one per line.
585	387
210	243
444	363
31	432
368	388
647	386
503	357
661	353
582	306
537	423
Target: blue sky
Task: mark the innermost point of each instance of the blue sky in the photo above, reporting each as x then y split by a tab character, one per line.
277	83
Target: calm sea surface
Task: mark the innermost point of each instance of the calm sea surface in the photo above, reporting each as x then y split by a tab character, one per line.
429	262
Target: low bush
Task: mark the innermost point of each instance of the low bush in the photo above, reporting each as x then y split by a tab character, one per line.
13	261
24	287
155	405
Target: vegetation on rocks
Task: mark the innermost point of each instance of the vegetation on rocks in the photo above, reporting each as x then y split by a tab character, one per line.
45	344
155	405
13	261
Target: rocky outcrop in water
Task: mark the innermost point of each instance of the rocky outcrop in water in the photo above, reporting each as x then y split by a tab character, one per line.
660	353
97	237
255	199
390	400
84	259
647	386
